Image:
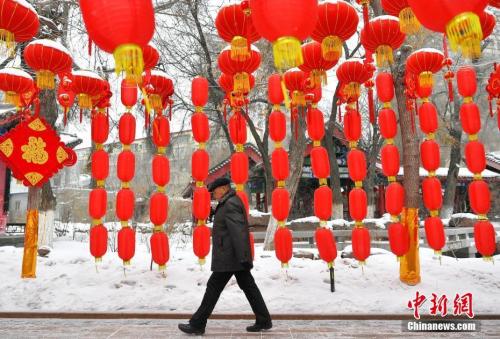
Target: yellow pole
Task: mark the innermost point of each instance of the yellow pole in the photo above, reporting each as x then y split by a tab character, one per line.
30	244
409	268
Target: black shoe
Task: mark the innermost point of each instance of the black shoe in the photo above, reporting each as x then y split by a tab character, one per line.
260	327
187	328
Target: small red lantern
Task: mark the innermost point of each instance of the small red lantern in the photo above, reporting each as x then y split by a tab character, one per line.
315	64
86	85
399	239
240	70
431	190
161	132
280	165
352	125
128	93
125	202
323	199
280	204
408	22
424	62
385	87
466	81
98	241
357	204
296	81
199	91
160	251
14	82
484	237
126	244
434	232
470	117
275	91
239	168
356	164
428	118
100	165
199	124
480	197
352	73
325	242
238	129
429	152
475	156
361	243
201	242
150	55
159	88
126	166
126	128
99	128
18	23
315	124
226	83
199	165
277	126
161	170
320	162
488	22
201	203
98	203
158	208
388	123
390	160
394	198
283	245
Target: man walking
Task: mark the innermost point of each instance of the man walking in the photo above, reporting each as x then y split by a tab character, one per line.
231	255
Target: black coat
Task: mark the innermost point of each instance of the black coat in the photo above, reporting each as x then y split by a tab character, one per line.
230	235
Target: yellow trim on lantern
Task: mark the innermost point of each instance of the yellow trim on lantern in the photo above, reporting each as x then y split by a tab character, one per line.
408	22
239	48
331	48
353	144
125	184
96	222
465	34
100	183
158	228
129	59
281	183
124	223
473	137
358	184
323	182
316	143
478	176
384	56
7	38
239	148
287	53
160	189
386	104
240	187
434	213
45	79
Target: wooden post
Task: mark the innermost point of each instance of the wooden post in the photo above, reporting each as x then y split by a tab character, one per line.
31	234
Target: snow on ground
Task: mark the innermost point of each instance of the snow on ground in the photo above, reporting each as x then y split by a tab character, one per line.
68	281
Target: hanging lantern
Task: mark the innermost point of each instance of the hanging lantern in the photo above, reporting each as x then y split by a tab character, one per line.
357	204
150	55
430	155
126	244
294	24
315	124
408	23
126	166
122	28
434	232
325	241
18	23
352	125
431	190
484	237
480	197
240	70
158	208
99	128
236	28
86	85
100	165
98	241
161	170
239	168
399	239
475	157
159	86
280	204
199	124
459	20
14	82
323	199
199	165
126	129
277	126
320	162
65	95
201	242
387	123
356	164
275	90
428	118
238	129
98	204
160	249
283	245
470	117
295	81
161	132
424	63
226	82
199	92
337	22
361	243
382	36
128	93
390	160
488	22
201	203
352	73
280	165
394	198
315	64
125	201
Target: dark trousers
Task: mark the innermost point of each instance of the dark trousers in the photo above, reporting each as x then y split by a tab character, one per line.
216	284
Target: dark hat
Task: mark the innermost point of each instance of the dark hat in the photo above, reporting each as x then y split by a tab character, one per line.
218	183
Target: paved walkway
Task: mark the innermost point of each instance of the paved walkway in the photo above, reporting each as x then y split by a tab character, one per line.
295	329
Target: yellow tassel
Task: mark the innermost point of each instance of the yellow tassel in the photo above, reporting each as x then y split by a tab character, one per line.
7	42
426	79
384	56
239	48
287	53
465	34
12	98
408	22
128	59
318	78
241	82
331	47
84	101
155	102
45	79
298	98
352	90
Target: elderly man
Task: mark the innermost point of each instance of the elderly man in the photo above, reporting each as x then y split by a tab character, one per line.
231	255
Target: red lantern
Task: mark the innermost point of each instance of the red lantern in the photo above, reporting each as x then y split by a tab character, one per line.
466	81
434	232
484	237
356	163
240	70
352	125
98	241
98	203
470	117
199	165
161	131
201	203
431	190
295	23
408	23
394	198
126	166
238	129
320	162
126	244
126	128
199	91
480	197
323	199
122	28
280	204
150	55
161	170
201	241
125	202
99	128
100	165
296	81
128	93
14	82
428	118
239	168
315	63
424	62
226	82
382	36
158	208
159	88
357	204
235	27
325	242
65	94
275	91
160	251
361	243
495	3
18	23
429	152
315	124
337	22
385	87
279	163
277	126
199	124
388	123
283	244
488	22
86	85
390	160
352	73
399	239
47	58
459	20
475	156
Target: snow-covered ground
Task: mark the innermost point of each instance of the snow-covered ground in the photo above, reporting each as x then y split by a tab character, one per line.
69	281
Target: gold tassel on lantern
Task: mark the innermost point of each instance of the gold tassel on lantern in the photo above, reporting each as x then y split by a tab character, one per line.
239	48
352	90
128	59
298	98
12	98
287	53
465	34
426	79
384	56
408	22
331	47
84	101
7	42
241	82
156	102
318	78
45	79
30	244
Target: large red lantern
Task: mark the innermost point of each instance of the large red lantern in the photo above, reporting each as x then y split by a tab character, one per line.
98	241
86	85
199	165
480	197
18	23
122	28
199	92
357	204
399	239
434	232
325	241
235	26
14	82
361	243
98	203
315	124
160	251
390	160
125	202
126	166
201	130
126	128
424	63
277	126
394	198
459	20
99	128
274	90
484	237
466	81
320	162
431	190
382	36
158	209
470	117
240	70
428	119
100	166
351	74
47	58
239	168
323	199
283	245
126	244
475	156
280	165
285	24
388	123
315	64
408	23
356	164
201	242
430	155
280	204
337	22
161	170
